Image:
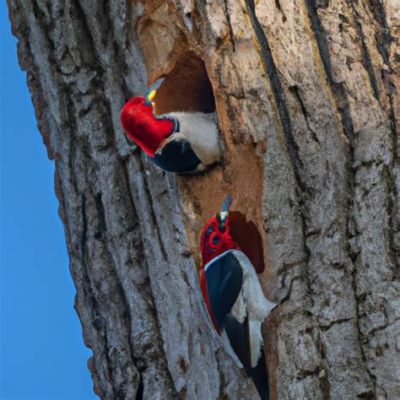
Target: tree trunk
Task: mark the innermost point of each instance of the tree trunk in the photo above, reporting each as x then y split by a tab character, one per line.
307	96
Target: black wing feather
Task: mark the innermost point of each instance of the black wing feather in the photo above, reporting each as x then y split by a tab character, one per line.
224	281
177	156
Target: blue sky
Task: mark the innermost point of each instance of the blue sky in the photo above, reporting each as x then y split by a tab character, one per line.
42	353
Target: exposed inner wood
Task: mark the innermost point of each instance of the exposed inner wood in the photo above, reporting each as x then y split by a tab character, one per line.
187	88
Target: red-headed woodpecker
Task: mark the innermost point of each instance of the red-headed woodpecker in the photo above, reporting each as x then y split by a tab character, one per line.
183	142
233	296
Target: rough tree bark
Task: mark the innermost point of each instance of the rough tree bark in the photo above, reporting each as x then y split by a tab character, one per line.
307	95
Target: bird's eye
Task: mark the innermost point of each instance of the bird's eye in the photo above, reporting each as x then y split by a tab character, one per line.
216	239
209	231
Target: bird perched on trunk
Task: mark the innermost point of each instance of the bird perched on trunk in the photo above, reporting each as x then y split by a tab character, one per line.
233	296
183	142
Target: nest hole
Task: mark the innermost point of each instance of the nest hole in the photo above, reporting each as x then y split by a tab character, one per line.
248	238
186	87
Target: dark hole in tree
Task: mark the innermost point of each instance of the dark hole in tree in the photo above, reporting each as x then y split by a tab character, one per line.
186	87
248	238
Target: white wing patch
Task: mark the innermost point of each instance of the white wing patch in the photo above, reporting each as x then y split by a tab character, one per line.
201	131
252	304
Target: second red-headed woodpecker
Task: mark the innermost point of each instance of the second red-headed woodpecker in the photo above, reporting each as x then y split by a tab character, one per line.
233	296
183	142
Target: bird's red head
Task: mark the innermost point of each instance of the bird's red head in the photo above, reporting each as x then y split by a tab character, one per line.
142	127
216	236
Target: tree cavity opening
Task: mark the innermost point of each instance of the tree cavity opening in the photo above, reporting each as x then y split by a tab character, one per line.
186	87
248	238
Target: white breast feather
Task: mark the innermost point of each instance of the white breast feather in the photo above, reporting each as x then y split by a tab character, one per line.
253	304
201	131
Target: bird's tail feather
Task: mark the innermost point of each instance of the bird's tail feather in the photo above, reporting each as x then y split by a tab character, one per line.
259	375
238	334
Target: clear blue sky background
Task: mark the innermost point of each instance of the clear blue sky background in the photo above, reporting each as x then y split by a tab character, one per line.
42	351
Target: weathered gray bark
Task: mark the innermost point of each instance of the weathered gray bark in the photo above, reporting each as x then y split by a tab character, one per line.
307	95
